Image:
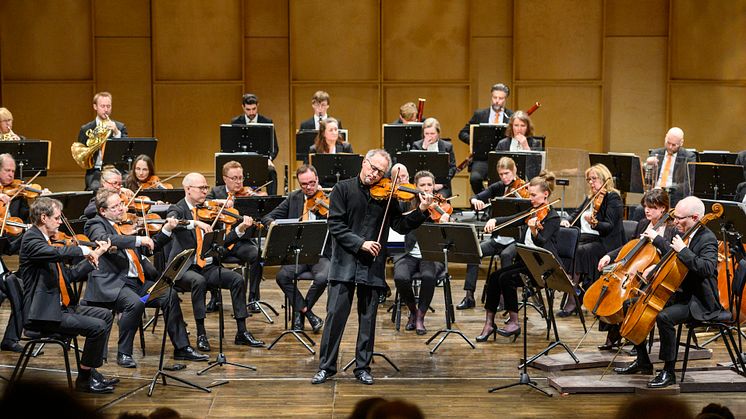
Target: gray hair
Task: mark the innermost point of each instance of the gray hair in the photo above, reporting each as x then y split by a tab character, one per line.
380	152
43	206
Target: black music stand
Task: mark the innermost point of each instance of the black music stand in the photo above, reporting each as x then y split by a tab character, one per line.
509	207
716	156
121	152
483	139
446	243
30	155
304	140
257	207
399	137
434	162
625	168
74	203
335	167
256	138
165	283
527	163
714	181
294	243
255	168
164	195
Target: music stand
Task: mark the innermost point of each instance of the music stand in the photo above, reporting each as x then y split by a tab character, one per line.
256	138
255	168
509	207
294	243
625	168
435	162
399	137
335	167
74	203
121	152
164	195
30	155
717	156
257	207
446	243
483	139
714	181
304	140
527	163
170	275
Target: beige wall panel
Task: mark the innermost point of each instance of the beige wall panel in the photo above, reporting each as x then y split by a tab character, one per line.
123	69
64	109
726	104
491	62
197	40
491	18
357	106
344	33
122	18
637	18
266	17
425	40
707	40
636	82
60	33
561	41
189	145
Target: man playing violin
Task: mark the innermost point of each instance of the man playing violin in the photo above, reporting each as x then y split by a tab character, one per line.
111	178
358	227
126	275
300	204
697	297
18	206
204	273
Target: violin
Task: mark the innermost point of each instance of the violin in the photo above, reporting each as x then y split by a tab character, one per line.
596	201
13	226
517	188
154	182
318	203
540	215
526	214
210	210
383	190
26	190
61	239
440	206
131	224
249	191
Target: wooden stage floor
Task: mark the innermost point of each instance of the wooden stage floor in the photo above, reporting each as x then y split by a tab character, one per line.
451	383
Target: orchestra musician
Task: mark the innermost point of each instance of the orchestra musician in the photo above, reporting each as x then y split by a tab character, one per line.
495	114
539	229
102	106
518	135
251	115
143	173
126	275
411	262
50	301
355	222
320	103
494	245
111	178
18	206
697	297
296	206
741	161
601	227
204	273
407	114
328	140
431	141
670	163
6	127
740	193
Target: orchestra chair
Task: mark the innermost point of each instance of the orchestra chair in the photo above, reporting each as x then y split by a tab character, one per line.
629	227
567	246
396	307
232	262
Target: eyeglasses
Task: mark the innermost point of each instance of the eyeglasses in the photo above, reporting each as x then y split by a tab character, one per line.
311	183
591	179
118	183
380	172
203	188
236	178
679	218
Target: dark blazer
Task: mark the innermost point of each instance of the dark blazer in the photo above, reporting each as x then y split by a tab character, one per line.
481	116
494	190
83	139
642	225
740	192
293	207
343	147
38	269
105	283
504	144
443	147
609	216
680	180
219	192
741	159
184	238
241	120
310	123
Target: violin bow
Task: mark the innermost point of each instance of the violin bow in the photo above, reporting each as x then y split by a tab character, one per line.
133	196
590	202
160	182
22	186
388	204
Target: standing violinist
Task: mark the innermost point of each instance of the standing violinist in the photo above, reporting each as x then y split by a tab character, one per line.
601	227
495	244
356	220
143	174
431	141
539	229
697	297
126	275
251	115
301	204
518	135
204	273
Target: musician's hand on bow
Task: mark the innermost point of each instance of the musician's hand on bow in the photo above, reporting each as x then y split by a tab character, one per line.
477	204
677	244
565	223
490	226
371	247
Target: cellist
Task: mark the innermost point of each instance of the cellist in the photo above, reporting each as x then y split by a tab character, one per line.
697	297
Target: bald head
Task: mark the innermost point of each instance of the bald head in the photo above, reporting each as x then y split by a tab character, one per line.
674	140
193	179
691	205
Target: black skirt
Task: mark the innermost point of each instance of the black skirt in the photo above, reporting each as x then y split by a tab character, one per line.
590	251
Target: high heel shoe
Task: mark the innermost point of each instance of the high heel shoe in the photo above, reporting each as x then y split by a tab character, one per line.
504	333
493	332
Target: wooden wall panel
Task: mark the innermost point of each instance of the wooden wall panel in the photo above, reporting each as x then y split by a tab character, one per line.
638	18
334	40
122	18
490	18
491	62
707	40
266	18
47	40
560	40
425	40
187	121
197	40
724	108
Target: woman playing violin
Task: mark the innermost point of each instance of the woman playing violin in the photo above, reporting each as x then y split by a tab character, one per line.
601	228
328	140
143	174
538	229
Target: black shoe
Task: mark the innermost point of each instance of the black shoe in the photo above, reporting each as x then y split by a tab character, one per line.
364	377
125	361
212	305
299	321
421	331
663	379
202	343
504	333
382	297
563	313
634	368
12	347
106	381
610	346
92	385
316	322
411	322
253	307
189	354
493	333
467	302
246	338
321	377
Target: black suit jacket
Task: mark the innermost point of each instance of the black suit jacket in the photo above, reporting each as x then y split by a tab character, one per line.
679	182
609	216
241	120
343	147
310	123
504	144
443	147
91	125
220	192
494	190
185	238
741	159
481	116
740	192
292	208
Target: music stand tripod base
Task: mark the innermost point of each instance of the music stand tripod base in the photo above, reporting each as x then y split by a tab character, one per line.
375	354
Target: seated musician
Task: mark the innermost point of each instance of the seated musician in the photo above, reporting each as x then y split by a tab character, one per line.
300	205
125	275
494	245
540	230
111	178
50	302
410	262
407	114
251	115
328	140
6	127
320	102
601	227
431	141
656	205
143	174
741	193
18	204
697	297
518	135
204	273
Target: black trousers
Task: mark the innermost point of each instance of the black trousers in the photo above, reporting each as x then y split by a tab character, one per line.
405	267
285	281
478	175
504	282
248	254
339	303
92	322
199	279
489	247
272	187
